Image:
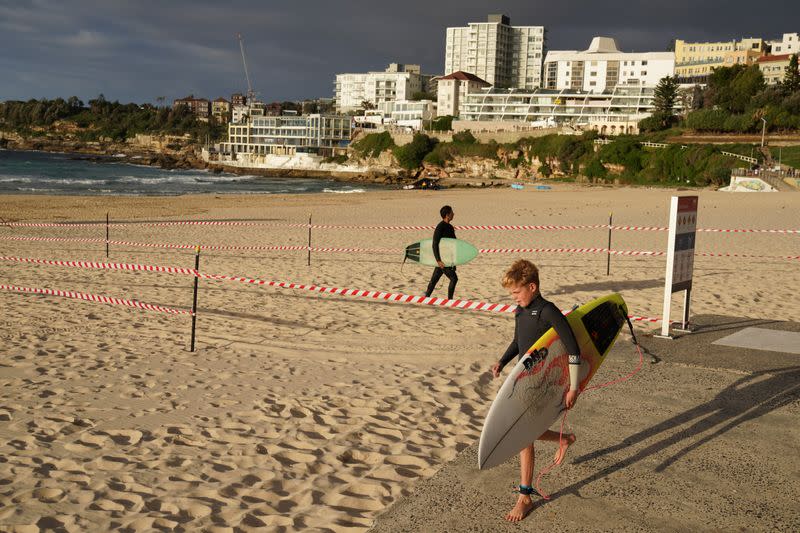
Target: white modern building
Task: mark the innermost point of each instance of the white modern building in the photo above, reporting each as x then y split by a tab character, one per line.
243	112
288	135
413	115
452	88
789	44
397	82
501	54
407	114
614	112
603	66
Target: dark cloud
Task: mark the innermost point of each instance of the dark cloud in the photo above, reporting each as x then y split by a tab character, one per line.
138	51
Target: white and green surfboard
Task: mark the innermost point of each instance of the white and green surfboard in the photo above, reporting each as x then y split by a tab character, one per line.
452	251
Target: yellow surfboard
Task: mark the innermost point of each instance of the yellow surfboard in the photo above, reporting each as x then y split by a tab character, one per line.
532	396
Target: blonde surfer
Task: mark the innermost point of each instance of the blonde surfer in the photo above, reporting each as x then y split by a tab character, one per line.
533	317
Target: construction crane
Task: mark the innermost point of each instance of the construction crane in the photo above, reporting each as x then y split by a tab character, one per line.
251	95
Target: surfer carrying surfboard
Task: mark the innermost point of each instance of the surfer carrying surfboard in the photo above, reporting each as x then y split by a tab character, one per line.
533	317
443	230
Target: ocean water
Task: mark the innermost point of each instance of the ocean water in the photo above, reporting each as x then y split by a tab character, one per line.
57	173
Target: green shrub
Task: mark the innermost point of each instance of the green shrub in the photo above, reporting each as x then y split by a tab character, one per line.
464	137
374	144
595	169
443	123
545	170
410	156
627	152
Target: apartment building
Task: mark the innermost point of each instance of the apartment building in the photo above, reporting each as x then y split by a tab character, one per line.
603	66
397	82
613	112
288	135
694	61
221	110
501	54
201	107
413	114
789	44
773	67
452	88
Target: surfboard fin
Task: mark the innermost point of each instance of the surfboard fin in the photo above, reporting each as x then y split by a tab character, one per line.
630	327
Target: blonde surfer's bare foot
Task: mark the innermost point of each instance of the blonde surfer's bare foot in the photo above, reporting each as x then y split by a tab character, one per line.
566	442
521	509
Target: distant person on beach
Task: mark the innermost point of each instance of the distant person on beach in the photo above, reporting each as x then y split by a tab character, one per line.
443	230
533	317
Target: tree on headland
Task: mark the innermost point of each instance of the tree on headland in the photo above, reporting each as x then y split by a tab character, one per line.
791	77
665	96
103	119
664	99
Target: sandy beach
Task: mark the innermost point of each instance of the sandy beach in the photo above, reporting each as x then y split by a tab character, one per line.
301	410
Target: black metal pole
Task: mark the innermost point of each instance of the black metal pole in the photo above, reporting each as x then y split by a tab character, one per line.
608	253
106	235
309	239
194	302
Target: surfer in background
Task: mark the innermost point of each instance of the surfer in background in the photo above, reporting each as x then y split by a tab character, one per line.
443	230
533	317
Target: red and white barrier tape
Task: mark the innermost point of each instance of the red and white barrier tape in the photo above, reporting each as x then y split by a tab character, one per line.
567	250
97	298
383	250
468	305
482	227
203	246
103	266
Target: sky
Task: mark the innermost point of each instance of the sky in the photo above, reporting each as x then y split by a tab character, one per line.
142	50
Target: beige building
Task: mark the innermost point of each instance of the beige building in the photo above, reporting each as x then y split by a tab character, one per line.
694	61
774	67
452	90
221	110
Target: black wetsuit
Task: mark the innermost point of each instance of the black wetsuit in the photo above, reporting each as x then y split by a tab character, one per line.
532	322
443	230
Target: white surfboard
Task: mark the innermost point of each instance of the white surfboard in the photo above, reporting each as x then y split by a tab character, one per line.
532	396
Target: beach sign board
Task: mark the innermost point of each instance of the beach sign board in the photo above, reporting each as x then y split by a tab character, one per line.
680	256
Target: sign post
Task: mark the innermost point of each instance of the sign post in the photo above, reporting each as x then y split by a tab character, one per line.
680	258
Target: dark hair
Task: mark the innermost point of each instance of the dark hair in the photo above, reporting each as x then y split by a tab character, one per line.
445	210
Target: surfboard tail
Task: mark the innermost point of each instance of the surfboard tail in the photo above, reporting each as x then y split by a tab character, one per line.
412	252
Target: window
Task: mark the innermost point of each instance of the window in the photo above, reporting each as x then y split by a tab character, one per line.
644	63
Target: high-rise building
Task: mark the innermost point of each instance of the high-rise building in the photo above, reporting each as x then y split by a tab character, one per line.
495	51
603	66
